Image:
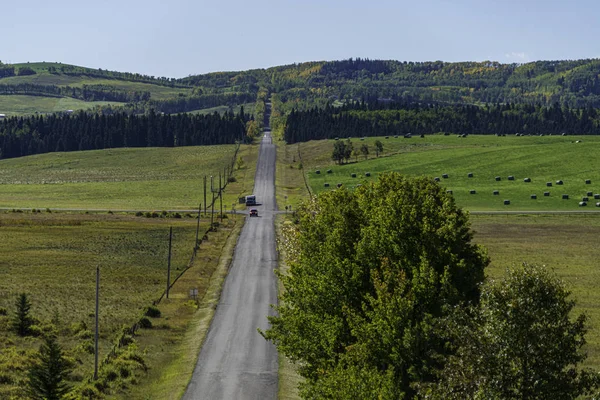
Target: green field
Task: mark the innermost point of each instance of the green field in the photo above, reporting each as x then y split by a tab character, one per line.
121	179
15	105
53	257
542	159
248	109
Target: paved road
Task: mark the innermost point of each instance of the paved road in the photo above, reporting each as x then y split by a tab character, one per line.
235	361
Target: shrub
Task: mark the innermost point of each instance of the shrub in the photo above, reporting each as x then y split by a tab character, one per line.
3	311
176	215
152	312
139	214
145	323
232	179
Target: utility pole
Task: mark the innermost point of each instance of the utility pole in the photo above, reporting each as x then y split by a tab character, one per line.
96	333
198	225
221	198
212	212
169	262
204	194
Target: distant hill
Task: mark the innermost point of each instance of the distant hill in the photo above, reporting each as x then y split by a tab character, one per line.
573	83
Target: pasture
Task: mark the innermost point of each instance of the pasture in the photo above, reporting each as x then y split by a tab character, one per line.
543	160
16	105
123	179
53	257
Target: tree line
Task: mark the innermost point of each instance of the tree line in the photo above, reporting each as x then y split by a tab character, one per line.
22	136
399	118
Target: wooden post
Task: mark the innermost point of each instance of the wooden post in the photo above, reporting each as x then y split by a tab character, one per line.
96	333
198	225
169	262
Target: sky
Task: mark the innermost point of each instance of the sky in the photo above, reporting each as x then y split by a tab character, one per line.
177	38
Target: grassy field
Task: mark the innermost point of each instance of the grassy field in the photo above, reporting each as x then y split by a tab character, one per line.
53	258
117	179
248	109
542	159
16	105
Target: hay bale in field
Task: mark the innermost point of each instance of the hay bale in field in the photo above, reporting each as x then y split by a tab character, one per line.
548	184
473	191
498	178
449	191
589	194
326	184
496	192
582	204
588	181
329	171
547	194
597	196
565	197
533	196
511	178
559	182
387	137
445	176
506	202
318	172
437	179
353	175
367	174
598	204
585	199
362	138
527	180
470	175
395	136
339	185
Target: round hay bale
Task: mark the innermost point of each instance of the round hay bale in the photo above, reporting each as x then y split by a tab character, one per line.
546	194
437	179
559	182
395	136
329	171
511	178
565	197
527	180
533	196
339	185
318	172
367	174
353	175
506	202
473	191
445	176
470	175
422	136
597	196
362	138
387	137
496	192
598	204
498	178
585	199
589	194
588	181
549	184
326	184
449	191
582	204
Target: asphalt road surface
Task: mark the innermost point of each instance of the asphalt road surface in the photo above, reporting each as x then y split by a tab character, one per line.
235	361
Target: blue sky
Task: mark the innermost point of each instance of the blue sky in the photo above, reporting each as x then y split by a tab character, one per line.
177	38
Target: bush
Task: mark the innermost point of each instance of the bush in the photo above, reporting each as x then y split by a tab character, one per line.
84	334
152	312
232	179
139	214
145	323
176	215
3	311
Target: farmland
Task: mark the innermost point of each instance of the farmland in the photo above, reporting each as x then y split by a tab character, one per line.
117	179
541	159
15	105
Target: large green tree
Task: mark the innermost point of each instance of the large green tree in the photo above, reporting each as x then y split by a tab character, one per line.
520	343
374	274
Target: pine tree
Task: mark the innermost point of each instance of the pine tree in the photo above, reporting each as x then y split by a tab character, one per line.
46	380
22	321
